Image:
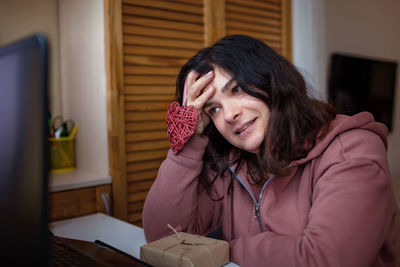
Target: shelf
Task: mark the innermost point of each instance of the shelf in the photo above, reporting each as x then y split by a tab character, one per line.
75	180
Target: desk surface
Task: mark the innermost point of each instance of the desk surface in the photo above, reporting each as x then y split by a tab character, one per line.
119	234
122	235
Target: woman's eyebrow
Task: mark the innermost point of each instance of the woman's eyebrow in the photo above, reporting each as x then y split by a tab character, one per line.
226	87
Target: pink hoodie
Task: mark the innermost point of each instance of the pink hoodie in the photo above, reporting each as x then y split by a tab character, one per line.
335	208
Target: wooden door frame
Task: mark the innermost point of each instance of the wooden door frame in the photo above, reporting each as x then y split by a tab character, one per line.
214	21
287	29
115	105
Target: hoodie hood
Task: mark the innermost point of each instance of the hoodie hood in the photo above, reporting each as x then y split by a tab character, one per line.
344	123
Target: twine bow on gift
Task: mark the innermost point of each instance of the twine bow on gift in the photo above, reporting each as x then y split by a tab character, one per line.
183	244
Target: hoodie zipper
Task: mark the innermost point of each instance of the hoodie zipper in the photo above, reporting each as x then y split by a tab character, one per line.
257	204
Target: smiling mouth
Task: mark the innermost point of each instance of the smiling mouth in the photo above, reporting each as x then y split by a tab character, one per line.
245	127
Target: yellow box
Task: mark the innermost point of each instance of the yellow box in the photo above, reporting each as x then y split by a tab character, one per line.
62	153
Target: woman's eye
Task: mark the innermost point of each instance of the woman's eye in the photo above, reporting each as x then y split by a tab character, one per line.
237	89
213	110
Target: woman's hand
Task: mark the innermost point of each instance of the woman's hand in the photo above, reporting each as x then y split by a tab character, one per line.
200	91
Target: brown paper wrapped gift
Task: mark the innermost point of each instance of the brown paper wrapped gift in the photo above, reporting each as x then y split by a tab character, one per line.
186	250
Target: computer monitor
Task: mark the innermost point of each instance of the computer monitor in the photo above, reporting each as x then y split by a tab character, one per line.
24	151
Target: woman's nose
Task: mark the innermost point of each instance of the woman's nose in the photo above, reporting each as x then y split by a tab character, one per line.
232	112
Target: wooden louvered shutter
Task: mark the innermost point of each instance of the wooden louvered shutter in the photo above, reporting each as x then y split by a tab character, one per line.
147	41
267	20
158	37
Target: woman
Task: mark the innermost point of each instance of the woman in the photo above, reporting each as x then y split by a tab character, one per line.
290	182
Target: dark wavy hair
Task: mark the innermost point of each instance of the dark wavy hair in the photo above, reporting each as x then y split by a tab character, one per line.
296	119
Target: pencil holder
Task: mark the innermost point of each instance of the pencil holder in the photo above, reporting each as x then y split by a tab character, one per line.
62	153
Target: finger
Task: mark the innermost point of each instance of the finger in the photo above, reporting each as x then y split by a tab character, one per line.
204	97
190	79
195	90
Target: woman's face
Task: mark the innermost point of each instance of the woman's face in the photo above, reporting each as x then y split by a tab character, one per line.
239	117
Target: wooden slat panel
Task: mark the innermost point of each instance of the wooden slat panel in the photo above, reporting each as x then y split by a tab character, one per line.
272	43
150	89
257	4
145	136
138	98
154	61
172	34
141	166
138	196
158	38
258	35
147	79
146	155
143	106
160	42
254	27
144	116
135	218
253	12
272	1
145	126
158	51
135	206
149	145
165	6
192	2
163	24
138	179
167	15
139	186
252	19
240	21
173	71
265	29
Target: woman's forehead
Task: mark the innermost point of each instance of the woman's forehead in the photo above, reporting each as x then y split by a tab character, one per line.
222	71
222	79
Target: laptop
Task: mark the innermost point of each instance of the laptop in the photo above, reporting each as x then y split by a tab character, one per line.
24	235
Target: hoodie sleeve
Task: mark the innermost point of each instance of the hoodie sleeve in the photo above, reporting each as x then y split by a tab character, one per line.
174	197
350	219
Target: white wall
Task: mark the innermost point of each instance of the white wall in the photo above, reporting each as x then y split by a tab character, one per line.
83	80
308	29
363	27
21	18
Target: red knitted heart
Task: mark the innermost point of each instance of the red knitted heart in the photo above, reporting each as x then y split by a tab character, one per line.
181	125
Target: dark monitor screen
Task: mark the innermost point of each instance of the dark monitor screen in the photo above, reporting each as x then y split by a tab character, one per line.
360	84
23	151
